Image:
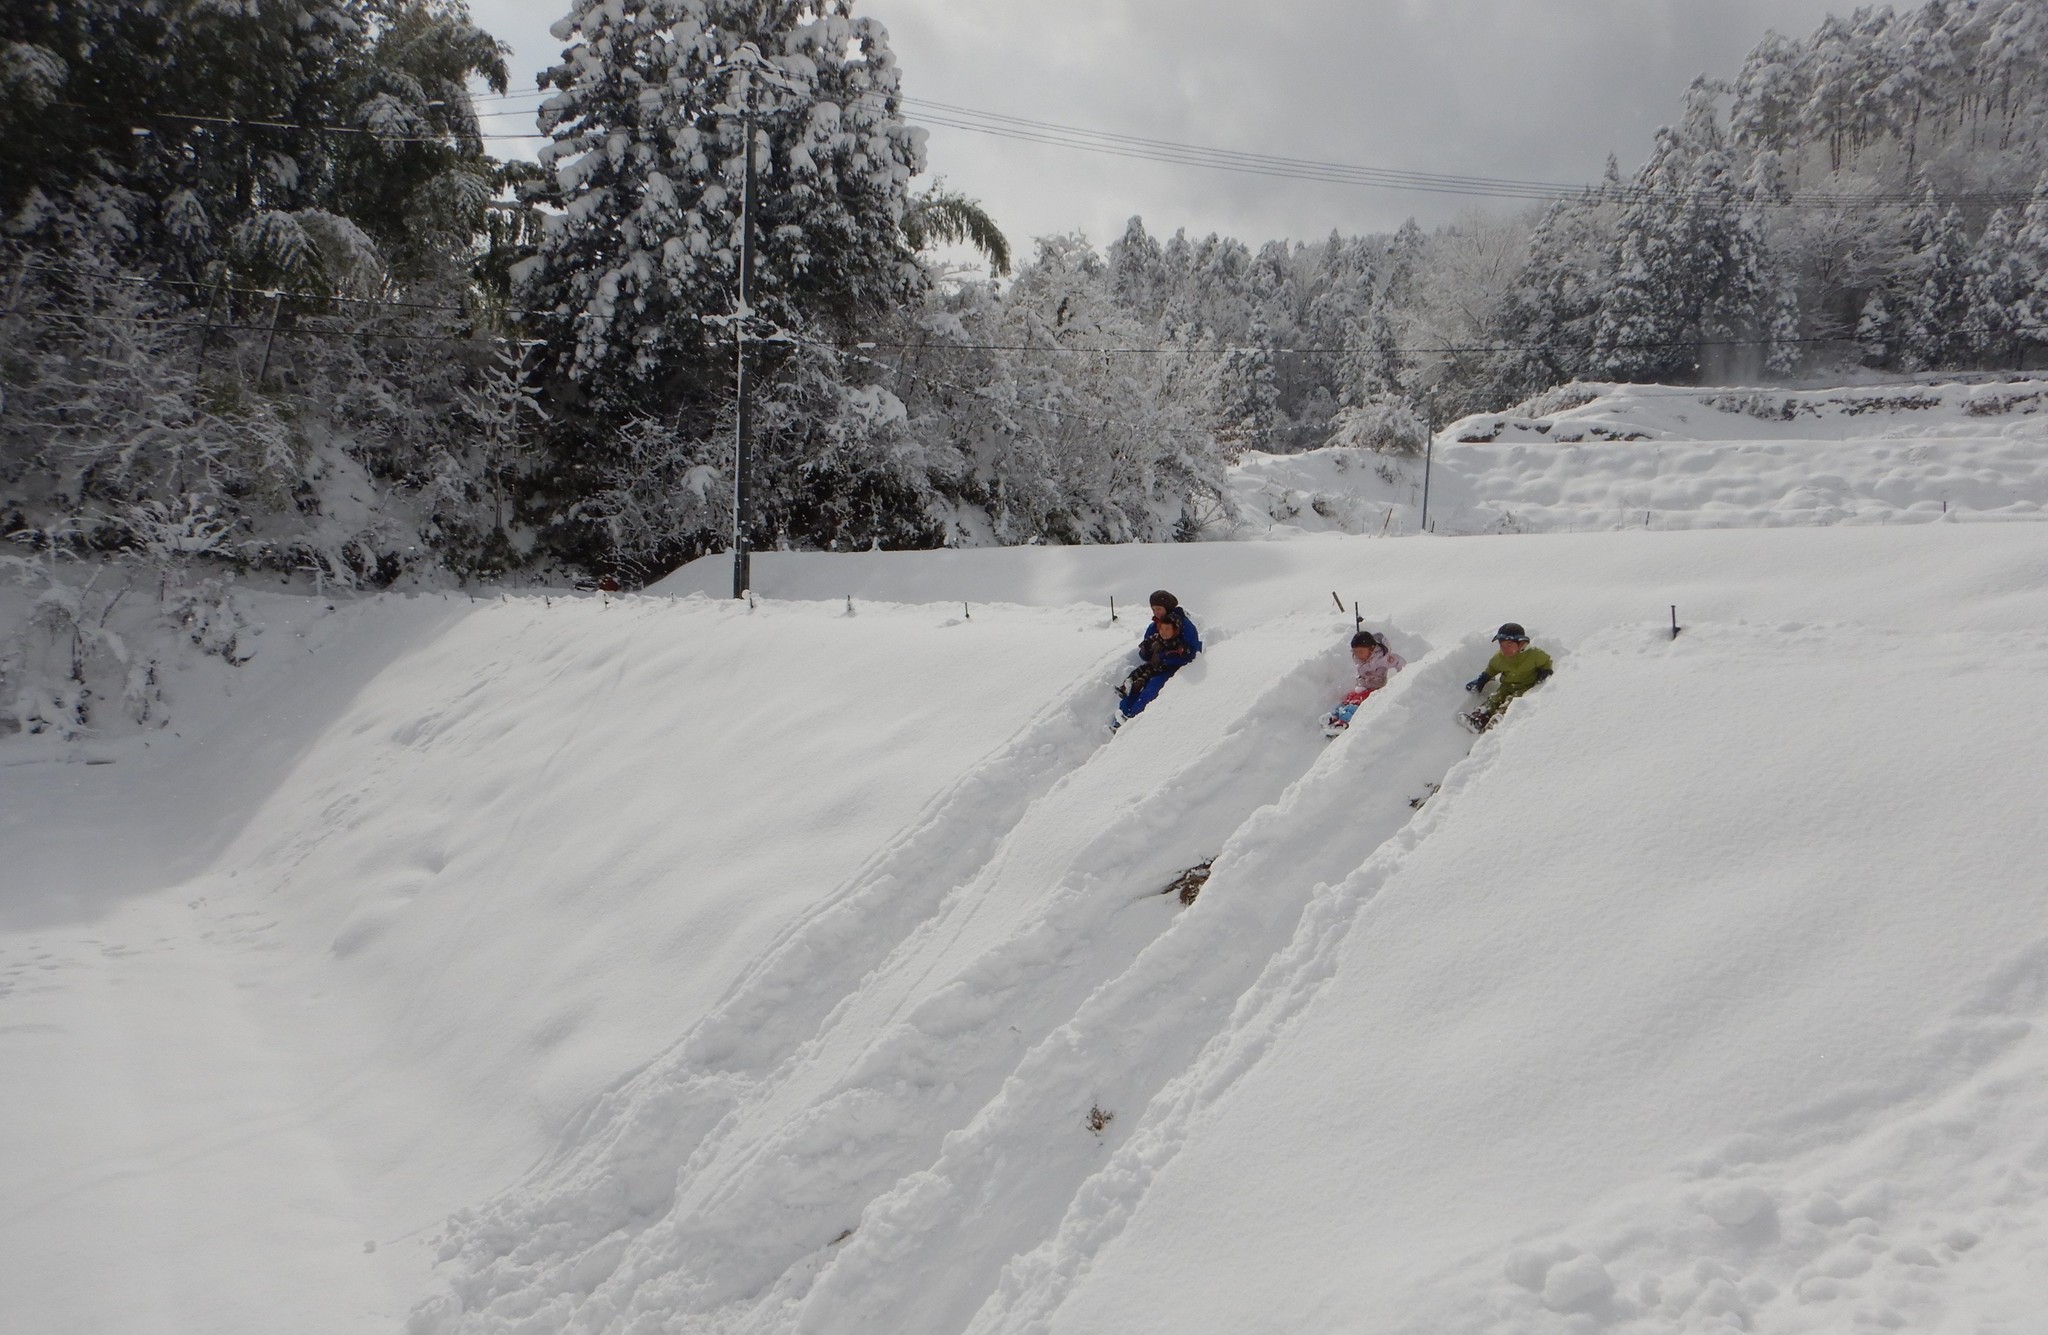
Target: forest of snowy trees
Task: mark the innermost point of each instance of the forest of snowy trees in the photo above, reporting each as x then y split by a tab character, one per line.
268	305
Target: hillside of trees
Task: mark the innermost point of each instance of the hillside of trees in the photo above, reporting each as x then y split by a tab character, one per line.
269	306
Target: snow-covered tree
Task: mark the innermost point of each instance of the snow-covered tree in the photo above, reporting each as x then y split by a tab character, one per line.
1248	395
640	256
1996	286
1934	329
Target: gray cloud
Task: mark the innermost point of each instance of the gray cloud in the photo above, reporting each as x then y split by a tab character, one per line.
1536	89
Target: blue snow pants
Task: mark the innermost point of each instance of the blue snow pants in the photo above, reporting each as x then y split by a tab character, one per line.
1134	704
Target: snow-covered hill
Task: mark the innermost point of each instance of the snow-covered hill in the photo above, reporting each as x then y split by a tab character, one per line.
801	967
1592	457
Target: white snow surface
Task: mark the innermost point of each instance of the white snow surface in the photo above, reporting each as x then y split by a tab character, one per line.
664	963
1593	457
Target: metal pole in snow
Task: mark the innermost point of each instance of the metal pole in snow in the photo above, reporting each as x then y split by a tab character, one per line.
1674	621
1428	456
742	574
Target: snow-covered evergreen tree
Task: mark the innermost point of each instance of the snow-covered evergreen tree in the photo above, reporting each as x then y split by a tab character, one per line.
1996	286
1934	330
645	174
2030	243
1248	395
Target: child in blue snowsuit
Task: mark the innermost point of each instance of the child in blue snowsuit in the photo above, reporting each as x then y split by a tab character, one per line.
1170	643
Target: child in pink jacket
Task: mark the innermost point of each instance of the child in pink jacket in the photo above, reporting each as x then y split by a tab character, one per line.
1376	662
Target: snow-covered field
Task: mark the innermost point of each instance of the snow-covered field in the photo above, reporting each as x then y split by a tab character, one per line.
661	963
1608	457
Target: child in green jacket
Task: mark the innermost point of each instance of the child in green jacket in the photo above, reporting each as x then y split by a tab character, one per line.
1517	667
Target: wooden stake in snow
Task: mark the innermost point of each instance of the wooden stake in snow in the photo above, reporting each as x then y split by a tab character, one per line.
1112	606
1674	621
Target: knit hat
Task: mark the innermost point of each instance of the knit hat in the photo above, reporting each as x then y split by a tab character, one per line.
1512	630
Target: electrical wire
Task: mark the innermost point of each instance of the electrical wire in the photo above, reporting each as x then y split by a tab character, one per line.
1175	153
1267	164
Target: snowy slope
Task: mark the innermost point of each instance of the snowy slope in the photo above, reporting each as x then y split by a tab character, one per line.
1621	1030
1604	457
730	969
497	872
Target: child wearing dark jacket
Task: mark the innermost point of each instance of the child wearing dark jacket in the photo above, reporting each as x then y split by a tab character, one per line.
1169	644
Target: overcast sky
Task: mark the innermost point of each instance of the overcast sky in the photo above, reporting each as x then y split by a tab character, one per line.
1530	89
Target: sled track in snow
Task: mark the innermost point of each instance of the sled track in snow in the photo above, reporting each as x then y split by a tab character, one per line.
1256	948
647	1126
821	1152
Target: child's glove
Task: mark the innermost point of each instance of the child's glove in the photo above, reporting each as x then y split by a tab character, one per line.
1543	674
1478	683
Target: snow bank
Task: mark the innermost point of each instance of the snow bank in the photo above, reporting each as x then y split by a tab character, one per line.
1603	457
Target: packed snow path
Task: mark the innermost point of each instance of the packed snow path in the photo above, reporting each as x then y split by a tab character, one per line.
1030	996
760	970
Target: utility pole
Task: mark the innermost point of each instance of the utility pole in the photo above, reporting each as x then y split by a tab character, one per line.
742	574
1428	454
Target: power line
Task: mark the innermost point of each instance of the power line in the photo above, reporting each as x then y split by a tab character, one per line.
1175	153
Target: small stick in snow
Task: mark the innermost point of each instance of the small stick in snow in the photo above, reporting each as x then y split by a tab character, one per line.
1674	621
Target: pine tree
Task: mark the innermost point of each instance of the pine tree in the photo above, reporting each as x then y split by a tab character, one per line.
641	250
1137	271
1934	331
1996	288
1248	395
1874	332
2030	245
1644	331
646	159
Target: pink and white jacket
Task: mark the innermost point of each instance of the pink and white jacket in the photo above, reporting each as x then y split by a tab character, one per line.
1374	671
